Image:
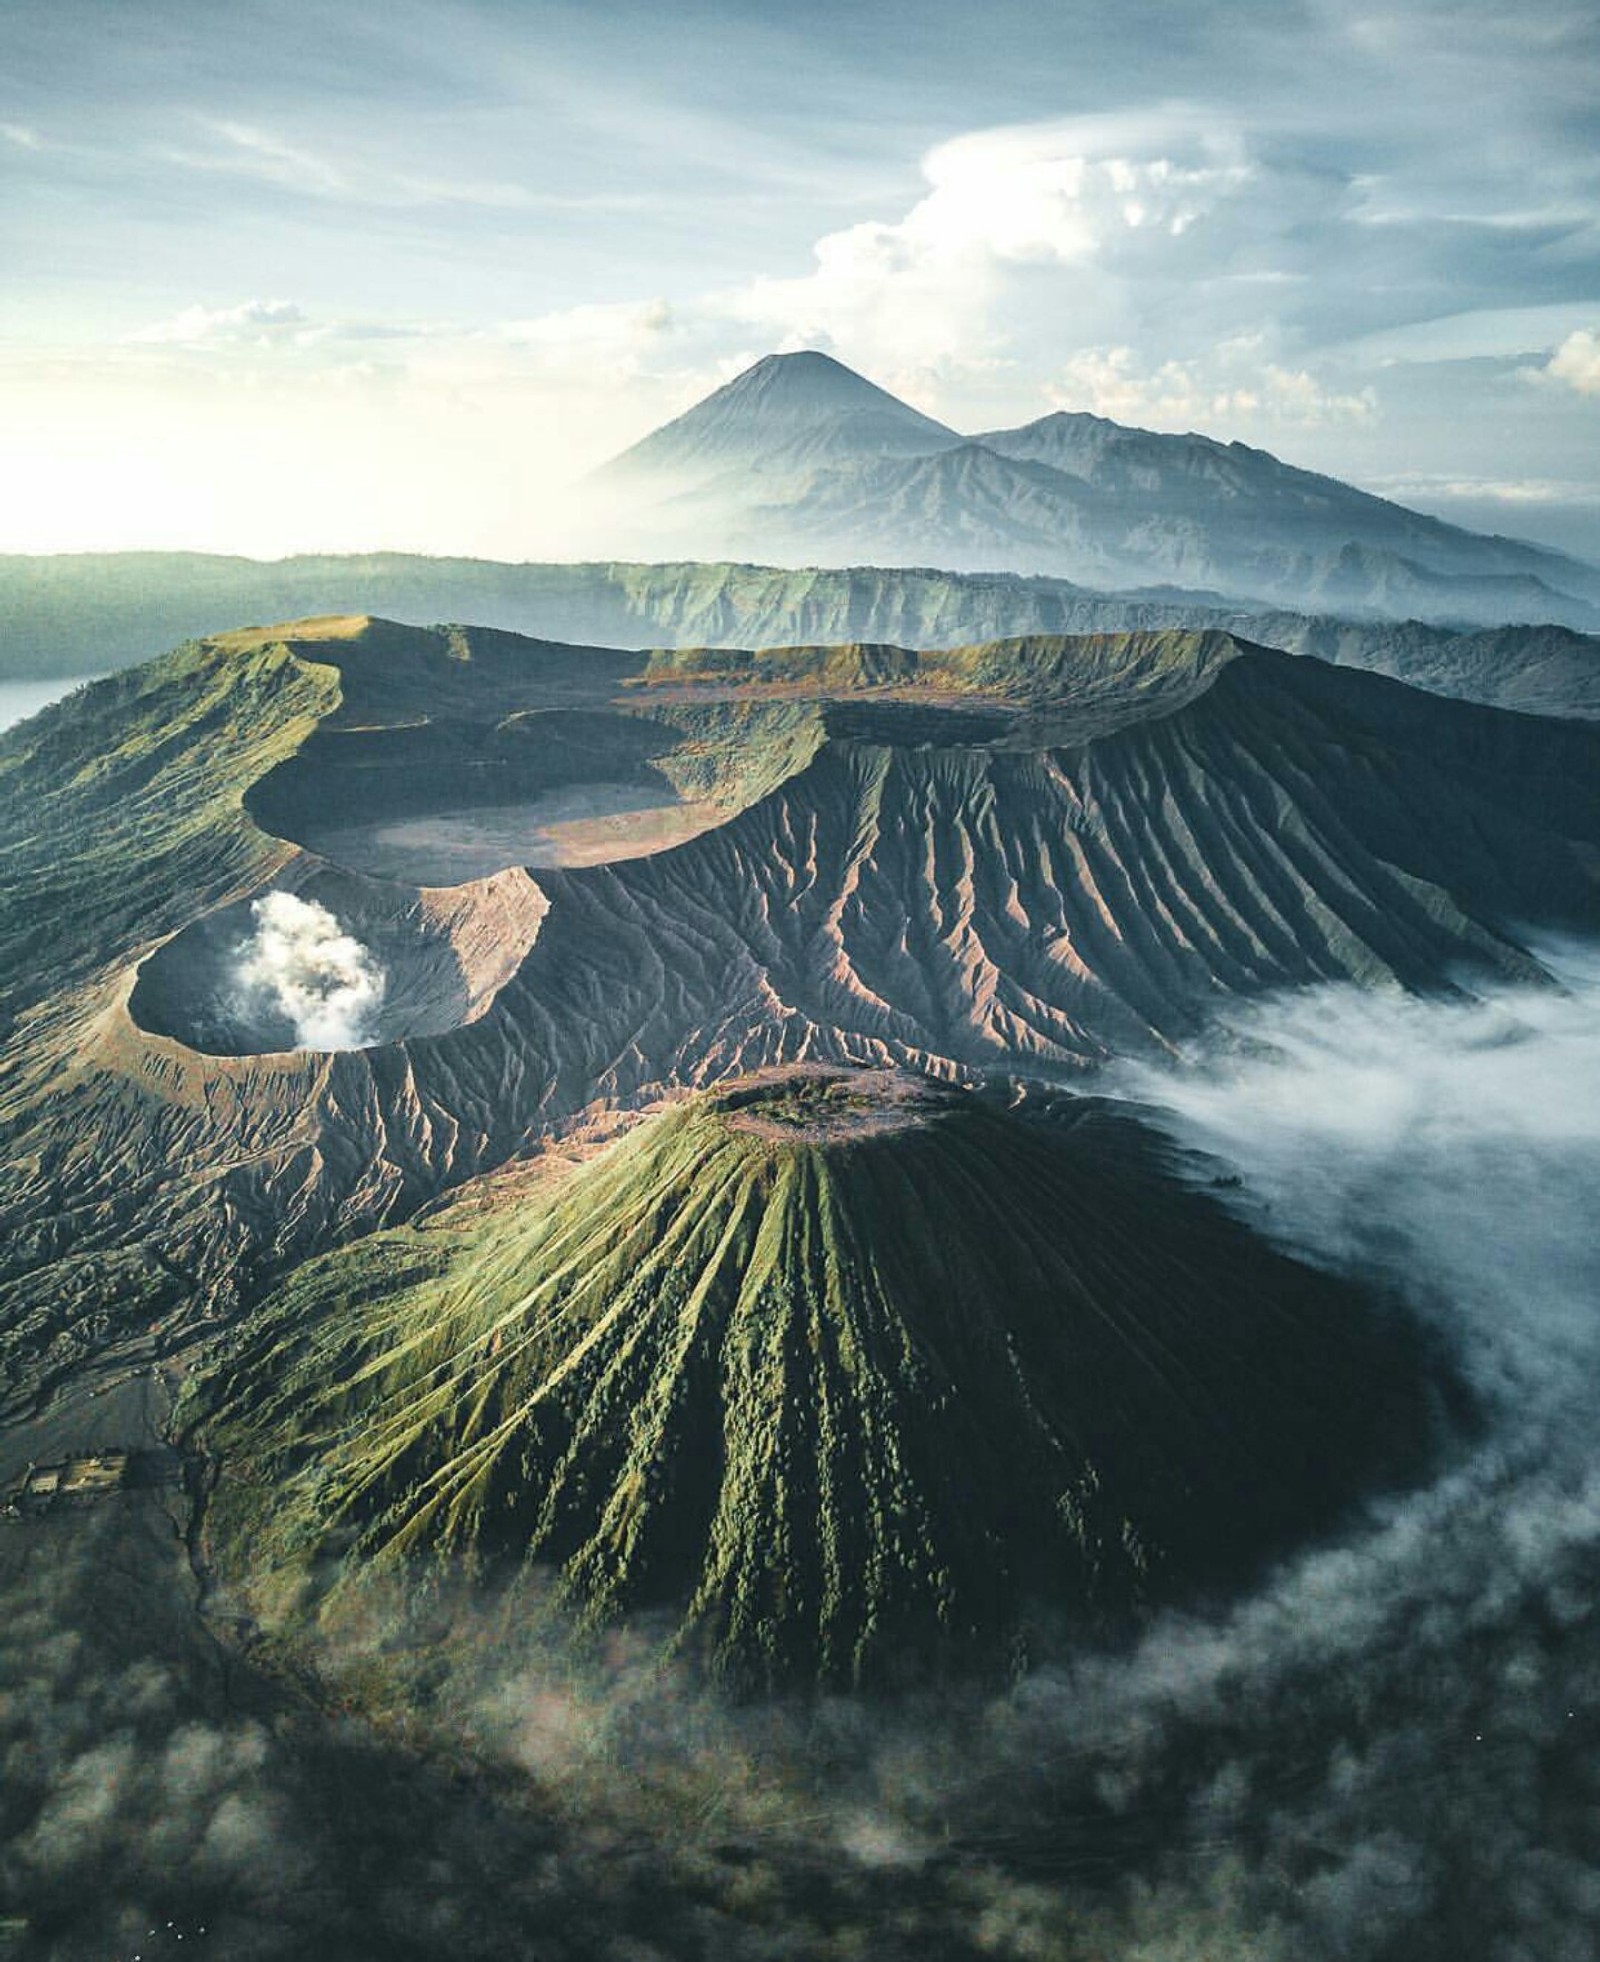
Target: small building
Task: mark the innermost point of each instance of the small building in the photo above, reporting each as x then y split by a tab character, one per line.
90	1476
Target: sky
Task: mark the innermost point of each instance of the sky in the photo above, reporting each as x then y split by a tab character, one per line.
286	275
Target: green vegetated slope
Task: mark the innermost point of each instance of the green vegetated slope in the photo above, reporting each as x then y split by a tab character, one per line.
121	810
1025	669
835	1375
1038	690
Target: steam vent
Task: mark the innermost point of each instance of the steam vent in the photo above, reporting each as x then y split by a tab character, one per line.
835	1368
343	962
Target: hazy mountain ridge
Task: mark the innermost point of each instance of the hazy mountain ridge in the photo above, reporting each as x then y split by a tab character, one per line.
76	615
786	412
1074	496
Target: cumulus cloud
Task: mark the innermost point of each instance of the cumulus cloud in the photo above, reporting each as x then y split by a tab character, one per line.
627	326
259	323
1235	386
1063	191
1095	195
1577	362
277	325
303	967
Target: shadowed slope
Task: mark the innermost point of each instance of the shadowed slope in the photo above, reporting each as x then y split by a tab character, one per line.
836	1371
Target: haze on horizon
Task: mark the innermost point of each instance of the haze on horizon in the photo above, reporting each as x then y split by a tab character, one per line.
290	278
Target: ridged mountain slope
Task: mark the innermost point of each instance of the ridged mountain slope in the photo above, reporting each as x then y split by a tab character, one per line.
914	890
1248	501
837	1374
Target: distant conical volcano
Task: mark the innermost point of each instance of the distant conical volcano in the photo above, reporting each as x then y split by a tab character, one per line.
789	411
801	461
843	1373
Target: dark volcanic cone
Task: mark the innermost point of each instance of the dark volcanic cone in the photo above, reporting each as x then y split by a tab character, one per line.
849	1375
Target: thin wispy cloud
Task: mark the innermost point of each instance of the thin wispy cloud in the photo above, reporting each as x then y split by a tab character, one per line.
1494	489
242	150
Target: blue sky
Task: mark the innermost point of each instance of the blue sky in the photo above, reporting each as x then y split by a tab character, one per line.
284	276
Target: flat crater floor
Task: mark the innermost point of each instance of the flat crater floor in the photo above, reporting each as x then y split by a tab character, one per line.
586	824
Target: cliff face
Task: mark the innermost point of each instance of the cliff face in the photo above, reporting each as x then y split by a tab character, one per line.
835	1377
957	878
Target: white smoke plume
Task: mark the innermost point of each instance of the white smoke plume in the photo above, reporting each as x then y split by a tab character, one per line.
305	967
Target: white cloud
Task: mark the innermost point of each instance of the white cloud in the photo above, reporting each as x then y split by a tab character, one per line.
1577	362
276	324
259	322
280	162
1455	1141
23	137
1063	192
1093	197
1238	384
1488	490
629	329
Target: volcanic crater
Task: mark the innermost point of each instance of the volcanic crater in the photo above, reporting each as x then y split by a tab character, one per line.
438	959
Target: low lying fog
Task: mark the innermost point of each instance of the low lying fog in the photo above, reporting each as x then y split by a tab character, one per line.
1391	1749
1389	1753
1453	1144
